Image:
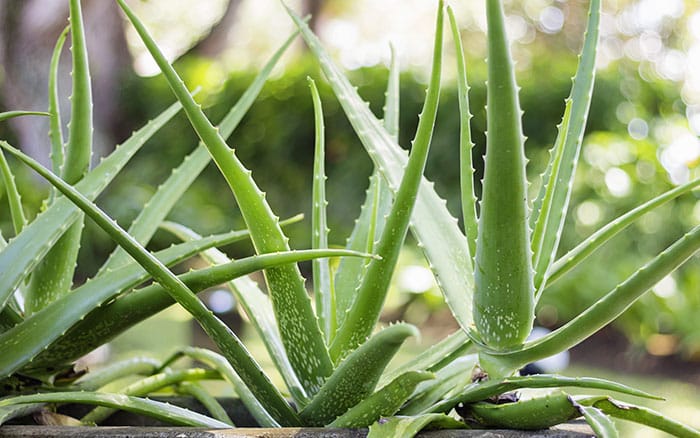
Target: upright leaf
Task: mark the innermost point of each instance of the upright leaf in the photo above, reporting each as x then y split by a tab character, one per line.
55	129
13	196
299	327
504	294
53	277
434	227
556	192
364	313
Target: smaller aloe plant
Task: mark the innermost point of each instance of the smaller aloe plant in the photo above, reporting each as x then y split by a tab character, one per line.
331	361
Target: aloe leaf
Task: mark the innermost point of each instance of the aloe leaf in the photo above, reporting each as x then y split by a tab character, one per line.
370	224
532	414
383	403
408	427
258	308
158	207
640	415
139	365
364	313
53	276
323	294
11	114
436	230
25	251
584	249
161	411
483	390
299	328
150	384
448	381
605	310
41	329
465	141
356	377
433	357
55	130
220	364
207	400
562	167
13	196
602	425
223	337
504	291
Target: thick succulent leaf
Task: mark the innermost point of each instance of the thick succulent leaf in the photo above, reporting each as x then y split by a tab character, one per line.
448	381
257	306
299	327
38	331
161	203
23	253
431	223
383	403
229	344
356	377
602	425
535	413
364	312
219	363
150	384
408	427
562	167
161	411
504	291
483	390
434	357
603	311
210	403
466	145
640	415
10	114
370	224
135	366
55	129
13	196
323	293
584	249
53	276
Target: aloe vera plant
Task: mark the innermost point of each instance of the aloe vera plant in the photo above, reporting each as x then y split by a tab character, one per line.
332	362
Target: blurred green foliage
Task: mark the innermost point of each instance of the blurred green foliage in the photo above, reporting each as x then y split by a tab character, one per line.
275	140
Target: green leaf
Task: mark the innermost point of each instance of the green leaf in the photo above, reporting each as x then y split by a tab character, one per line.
323	293
408	427
13	196
207	400
584	249
365	310
25	251
161	411
55	130
300	331
11	114
640	415
556	192
160	204
504	291
431	223
229	344
465	141
356	377
532	414
603	311
219	363
383	403
483	390
602	425
139	365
